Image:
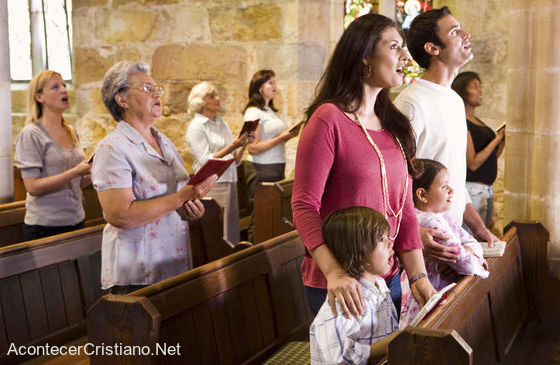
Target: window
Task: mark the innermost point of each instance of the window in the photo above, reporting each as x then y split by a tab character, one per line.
40	34
356	8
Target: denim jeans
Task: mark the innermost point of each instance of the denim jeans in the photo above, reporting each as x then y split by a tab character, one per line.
316	297
482	197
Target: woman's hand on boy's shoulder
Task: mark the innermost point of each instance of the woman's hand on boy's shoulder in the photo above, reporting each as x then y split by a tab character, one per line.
345	290
437	251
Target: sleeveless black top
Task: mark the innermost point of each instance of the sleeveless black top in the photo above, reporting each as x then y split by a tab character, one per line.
487	172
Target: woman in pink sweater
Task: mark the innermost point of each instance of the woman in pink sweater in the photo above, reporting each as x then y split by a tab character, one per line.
356	150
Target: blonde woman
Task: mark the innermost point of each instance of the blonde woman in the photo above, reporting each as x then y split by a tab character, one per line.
51	160
208	136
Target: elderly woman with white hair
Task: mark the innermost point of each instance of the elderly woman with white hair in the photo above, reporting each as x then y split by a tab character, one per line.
208	136
142	186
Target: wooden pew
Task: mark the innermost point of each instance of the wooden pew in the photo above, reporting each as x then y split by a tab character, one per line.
11	221
235	310
47	285
273	210
243	198
491	316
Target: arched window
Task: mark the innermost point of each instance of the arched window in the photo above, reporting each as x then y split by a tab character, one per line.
40	36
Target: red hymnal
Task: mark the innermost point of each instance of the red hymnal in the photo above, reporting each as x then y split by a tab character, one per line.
249	126
212	166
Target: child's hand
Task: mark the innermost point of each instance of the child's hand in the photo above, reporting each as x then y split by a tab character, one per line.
485	265
347	292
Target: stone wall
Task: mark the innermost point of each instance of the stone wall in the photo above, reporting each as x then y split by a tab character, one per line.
187	42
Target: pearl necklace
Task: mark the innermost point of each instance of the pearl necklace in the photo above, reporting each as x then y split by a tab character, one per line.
386	204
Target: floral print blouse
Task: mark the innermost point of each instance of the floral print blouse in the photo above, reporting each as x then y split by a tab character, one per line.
155	251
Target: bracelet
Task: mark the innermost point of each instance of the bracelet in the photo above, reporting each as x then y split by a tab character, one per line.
417	277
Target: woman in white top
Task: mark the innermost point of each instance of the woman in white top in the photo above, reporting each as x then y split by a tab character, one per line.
51	160
208	136
267	154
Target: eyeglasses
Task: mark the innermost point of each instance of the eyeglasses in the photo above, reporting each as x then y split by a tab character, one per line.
149	88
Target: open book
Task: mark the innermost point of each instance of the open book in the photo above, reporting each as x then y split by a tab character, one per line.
496	251
212	166
503	125
296	128
249	126
431	303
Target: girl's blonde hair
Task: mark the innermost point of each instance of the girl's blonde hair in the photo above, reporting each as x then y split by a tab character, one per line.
35	108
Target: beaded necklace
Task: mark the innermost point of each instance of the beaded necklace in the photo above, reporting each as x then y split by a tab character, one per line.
384	189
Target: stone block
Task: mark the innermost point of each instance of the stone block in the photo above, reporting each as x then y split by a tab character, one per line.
175	129
19	101
314	22
282	58
185	23
91	64
92	129
311	62
82	26
251	23
125	25
175	97
78	4
18	122
199	62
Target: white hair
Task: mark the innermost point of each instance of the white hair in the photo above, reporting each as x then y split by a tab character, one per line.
195	100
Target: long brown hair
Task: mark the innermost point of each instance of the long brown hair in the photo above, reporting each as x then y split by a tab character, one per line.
342	82
352	234
35	108
255	97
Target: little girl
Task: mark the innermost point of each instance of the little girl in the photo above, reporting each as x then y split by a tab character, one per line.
432	199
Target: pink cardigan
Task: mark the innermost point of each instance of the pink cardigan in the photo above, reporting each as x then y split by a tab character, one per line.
336	168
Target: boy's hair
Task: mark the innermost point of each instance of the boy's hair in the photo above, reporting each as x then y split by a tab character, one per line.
423	29
352	234
427	172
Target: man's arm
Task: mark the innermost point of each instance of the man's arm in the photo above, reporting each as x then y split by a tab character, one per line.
476	224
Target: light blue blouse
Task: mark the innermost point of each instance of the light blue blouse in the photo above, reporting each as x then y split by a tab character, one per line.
160	249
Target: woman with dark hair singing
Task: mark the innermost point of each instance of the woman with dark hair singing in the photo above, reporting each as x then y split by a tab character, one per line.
356	150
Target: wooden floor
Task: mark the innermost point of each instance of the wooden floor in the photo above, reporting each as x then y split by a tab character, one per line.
539	344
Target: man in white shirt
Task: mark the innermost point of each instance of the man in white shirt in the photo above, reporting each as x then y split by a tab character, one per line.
438	43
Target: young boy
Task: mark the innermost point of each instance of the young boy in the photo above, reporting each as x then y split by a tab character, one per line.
357	237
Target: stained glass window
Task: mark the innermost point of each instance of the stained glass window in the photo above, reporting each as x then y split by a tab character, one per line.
356	8
405	12
40	34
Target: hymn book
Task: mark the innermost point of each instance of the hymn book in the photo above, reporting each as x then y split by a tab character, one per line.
249	126
296	128
211	167
431	303
496	251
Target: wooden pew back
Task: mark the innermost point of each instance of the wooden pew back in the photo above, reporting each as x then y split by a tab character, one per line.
273	210
11	221
490	314
233	311
46	287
